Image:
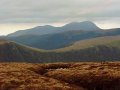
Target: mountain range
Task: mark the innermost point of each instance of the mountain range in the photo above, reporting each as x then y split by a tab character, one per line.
73	42
49	37
47	29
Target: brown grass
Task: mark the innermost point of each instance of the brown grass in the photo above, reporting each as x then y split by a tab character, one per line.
60	76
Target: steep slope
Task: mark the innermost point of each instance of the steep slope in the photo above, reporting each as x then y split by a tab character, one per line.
47	29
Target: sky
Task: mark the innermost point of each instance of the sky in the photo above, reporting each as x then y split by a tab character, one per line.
22	14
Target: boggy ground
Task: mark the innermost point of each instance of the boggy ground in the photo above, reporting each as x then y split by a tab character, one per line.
60	76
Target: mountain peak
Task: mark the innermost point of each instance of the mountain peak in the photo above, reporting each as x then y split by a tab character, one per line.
87	22
90	22
84	22
86	25
45	26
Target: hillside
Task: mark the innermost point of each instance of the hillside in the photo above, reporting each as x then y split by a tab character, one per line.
13	52
60	76
113	41
98	49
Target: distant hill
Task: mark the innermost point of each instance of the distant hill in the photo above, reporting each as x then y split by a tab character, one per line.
53	41
99	49
47	29
63	39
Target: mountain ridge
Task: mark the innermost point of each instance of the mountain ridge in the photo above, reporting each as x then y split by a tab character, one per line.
48	29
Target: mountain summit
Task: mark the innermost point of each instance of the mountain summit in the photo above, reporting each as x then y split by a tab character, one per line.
86	25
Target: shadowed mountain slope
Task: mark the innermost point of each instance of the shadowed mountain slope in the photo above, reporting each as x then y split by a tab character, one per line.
13	52
99	49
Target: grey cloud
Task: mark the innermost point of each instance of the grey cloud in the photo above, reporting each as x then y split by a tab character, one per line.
46	11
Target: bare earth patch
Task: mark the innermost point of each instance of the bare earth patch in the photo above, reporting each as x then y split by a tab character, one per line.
60	76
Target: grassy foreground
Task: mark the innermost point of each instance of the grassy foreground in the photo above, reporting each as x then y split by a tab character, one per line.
60	76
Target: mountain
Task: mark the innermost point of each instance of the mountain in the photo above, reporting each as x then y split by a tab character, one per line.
63	39
47	29
52	41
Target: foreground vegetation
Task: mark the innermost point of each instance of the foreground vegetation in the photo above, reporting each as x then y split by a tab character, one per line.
60	76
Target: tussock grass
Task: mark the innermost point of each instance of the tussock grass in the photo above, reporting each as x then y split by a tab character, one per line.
60	76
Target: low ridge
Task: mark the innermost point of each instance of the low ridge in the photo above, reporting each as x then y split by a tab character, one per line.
13	52
99	49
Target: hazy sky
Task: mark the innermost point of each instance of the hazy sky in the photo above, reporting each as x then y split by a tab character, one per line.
22	14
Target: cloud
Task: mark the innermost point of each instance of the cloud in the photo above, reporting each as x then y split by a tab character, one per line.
49	11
